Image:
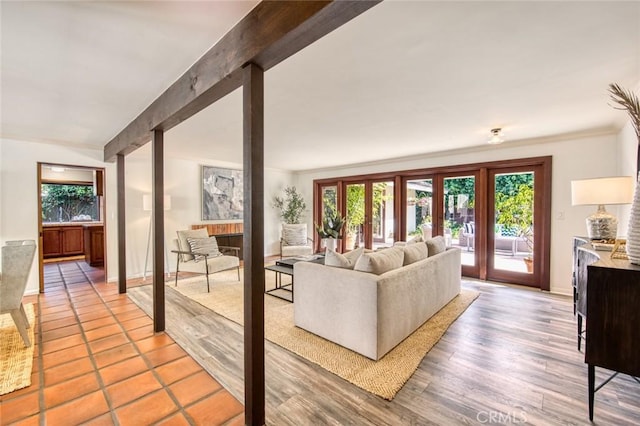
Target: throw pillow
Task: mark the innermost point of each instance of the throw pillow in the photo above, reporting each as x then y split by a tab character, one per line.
380	262
208	246
346	261
294	234
414	253
436	245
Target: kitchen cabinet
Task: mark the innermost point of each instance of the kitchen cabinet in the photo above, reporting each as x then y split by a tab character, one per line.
60	241
94	244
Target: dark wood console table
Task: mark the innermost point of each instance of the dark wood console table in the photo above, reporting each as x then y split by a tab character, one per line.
612	311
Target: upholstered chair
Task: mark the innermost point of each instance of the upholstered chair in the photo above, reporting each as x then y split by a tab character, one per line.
17	257
199	253
295	241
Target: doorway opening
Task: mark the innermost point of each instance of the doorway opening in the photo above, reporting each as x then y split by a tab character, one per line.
71	216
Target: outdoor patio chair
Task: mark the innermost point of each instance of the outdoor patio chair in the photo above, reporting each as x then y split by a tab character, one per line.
17	257
199	253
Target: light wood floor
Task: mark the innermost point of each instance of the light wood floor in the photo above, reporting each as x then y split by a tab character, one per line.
511	358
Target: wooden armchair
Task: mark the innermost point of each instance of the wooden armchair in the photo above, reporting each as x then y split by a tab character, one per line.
199	253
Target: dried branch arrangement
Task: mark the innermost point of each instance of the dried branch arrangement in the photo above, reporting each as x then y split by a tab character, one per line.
627	101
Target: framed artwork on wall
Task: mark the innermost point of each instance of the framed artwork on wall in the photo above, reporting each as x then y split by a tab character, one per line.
221	193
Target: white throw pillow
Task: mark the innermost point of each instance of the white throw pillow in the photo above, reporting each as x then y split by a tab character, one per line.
436	245
380	262
346	261
208	246
294	234
414	253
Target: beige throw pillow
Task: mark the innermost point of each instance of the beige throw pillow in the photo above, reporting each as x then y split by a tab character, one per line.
346	261
436	245
380	262
414	253
208	246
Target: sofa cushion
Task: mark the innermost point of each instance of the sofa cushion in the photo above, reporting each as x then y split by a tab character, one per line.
414	253
436	245
294	234
380	262
347	260
208	246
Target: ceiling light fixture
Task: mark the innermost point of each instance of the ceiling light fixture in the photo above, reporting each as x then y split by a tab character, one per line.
496	136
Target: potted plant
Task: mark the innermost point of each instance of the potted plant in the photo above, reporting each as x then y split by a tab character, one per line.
515	212
331	229
291	206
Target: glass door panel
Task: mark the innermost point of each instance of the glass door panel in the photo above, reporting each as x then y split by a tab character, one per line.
459	215
355	216
382	214
419	208
513	223
329	207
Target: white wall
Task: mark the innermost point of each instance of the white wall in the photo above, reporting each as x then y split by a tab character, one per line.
573	158
19	191
19	198
182	182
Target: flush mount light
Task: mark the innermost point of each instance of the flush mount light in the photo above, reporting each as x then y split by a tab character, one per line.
496	136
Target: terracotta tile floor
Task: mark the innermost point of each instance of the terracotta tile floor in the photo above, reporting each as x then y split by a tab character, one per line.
97	361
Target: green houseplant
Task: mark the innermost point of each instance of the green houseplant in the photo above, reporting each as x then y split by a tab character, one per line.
331	229
291	206
331	226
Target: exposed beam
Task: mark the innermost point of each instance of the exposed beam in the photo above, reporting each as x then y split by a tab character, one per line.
270	33
122	225
157	150
253	241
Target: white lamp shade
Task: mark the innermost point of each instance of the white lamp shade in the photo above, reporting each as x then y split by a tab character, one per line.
609	190
147	203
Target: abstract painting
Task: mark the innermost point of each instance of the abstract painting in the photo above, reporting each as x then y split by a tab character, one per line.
221	193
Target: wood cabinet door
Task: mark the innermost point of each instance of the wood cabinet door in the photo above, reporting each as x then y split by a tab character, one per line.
72	240
51	242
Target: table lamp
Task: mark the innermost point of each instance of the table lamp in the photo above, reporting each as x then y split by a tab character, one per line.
602	225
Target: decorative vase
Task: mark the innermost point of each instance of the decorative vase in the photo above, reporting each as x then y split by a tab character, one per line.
633	233
330	243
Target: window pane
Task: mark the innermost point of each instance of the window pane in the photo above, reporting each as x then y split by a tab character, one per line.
419	208
68	203
514	221
383	219
355	216
459	214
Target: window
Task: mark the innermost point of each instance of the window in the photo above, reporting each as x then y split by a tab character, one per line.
69	203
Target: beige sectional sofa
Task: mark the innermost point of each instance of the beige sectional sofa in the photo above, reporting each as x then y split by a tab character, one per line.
370	313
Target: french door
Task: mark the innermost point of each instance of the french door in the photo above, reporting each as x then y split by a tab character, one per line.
498	213
370	213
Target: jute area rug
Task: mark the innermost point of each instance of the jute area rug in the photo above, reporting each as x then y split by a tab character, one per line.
384	377
16	360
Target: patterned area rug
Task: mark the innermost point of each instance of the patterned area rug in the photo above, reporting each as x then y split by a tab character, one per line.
16	360
384	377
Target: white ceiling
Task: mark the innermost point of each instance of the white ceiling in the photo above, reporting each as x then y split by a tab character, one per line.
404	78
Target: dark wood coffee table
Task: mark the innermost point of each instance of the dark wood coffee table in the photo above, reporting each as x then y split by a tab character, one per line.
285	267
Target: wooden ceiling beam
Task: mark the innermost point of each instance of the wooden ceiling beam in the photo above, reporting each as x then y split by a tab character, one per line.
270	33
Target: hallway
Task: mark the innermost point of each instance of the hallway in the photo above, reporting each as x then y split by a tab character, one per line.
98	362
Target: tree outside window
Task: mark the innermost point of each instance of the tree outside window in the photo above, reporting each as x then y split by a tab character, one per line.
68	203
